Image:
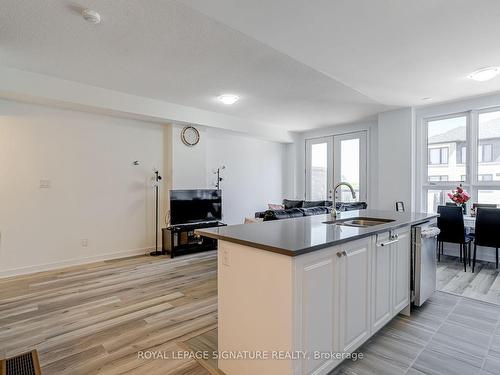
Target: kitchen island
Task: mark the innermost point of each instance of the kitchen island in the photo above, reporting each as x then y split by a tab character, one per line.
297	296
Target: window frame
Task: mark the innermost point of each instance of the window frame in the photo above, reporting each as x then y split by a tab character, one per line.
471	182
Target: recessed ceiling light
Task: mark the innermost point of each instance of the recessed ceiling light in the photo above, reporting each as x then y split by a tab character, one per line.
228	99
91	16
484	74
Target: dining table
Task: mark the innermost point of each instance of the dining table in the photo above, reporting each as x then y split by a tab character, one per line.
469	223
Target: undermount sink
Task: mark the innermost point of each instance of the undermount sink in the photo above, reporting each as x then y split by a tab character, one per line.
360	222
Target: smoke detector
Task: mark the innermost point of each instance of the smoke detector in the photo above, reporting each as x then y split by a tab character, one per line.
91	16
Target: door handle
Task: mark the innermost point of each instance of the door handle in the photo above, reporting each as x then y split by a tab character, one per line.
341	253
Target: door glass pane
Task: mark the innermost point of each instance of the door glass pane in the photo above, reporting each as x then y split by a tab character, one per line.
489	196
446	149
349	168
488	151
319	171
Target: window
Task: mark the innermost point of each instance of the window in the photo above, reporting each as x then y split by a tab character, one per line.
463	155
349	167
438	155
436	198
489	196
488	151
446	148
472	141
485	177
318	157
485	153
438	178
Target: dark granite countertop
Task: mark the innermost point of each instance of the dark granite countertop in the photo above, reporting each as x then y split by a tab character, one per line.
305	234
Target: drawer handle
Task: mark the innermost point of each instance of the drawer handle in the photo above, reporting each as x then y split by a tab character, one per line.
341	253
388	242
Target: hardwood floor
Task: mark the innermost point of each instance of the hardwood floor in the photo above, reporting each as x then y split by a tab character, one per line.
94	319
483	284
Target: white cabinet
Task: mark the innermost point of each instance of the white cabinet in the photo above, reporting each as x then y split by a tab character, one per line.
382	283
316	285
346	293
354	272
327	301
401	270
390	276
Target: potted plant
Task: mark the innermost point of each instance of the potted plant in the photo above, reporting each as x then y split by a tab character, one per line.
460	197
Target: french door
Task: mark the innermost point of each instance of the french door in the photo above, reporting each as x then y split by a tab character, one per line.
330	160
319	169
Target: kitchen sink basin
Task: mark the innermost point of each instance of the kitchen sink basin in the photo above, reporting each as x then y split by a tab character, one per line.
360	222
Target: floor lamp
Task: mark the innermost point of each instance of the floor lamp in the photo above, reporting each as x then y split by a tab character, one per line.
156	183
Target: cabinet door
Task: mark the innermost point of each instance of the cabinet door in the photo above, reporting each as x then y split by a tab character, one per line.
315	284
382	283
401	271
354	293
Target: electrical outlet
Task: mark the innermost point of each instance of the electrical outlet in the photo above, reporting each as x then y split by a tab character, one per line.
44	184
225	257
85	242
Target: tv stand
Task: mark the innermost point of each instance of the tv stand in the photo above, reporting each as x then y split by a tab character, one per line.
183	240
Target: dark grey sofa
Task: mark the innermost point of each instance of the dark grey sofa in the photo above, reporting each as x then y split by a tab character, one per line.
299	208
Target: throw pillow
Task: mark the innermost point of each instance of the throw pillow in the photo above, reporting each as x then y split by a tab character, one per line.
276	206
292	204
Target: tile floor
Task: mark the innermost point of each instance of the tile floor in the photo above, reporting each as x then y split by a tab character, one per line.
483	284
449	335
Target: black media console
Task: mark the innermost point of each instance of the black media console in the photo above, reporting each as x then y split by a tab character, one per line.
180	239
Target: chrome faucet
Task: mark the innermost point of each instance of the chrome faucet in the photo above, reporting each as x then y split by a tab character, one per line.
335	212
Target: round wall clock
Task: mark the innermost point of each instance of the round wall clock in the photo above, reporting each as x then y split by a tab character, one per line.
190	136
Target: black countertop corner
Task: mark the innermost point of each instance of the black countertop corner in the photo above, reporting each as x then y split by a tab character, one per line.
302	235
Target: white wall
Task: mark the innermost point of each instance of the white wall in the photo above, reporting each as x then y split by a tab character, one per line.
96	193
254	175
395	158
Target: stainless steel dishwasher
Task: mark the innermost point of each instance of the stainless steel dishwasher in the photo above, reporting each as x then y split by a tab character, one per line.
423	261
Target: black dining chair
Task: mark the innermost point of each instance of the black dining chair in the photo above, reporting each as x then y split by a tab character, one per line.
486	232
451	224
483	205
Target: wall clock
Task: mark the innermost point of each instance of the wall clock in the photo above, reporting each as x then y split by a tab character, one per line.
190	136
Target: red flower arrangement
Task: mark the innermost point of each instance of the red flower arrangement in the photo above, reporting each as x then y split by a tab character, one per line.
459	196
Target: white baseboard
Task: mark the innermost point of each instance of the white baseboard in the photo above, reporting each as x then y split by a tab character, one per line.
72	262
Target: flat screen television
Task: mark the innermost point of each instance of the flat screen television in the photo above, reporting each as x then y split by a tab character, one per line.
193	206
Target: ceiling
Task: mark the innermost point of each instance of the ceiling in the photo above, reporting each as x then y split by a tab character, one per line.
295	64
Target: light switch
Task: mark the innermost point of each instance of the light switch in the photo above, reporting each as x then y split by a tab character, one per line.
44	184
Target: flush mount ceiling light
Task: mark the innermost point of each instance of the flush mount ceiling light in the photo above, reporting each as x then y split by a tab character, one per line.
228	99
91	16
484	74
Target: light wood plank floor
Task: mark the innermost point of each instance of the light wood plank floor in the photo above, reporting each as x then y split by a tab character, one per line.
93	319
483	284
